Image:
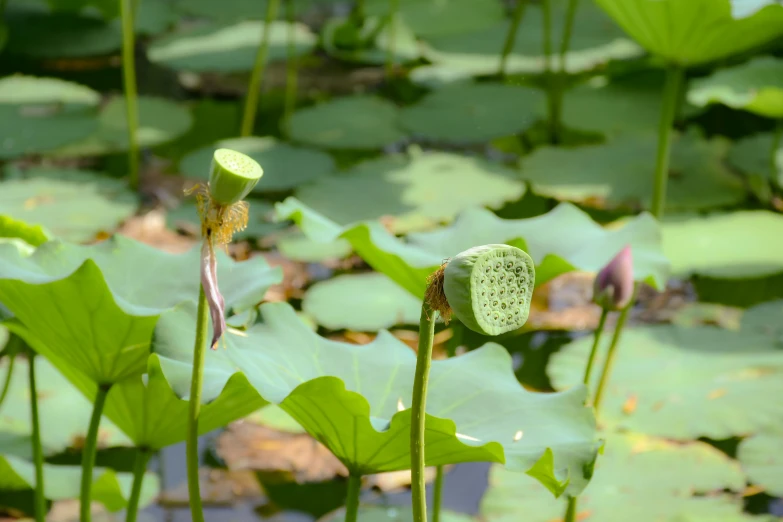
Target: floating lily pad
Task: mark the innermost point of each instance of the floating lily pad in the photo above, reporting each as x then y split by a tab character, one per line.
285	166
360	302
298	247
63	482
416	190
355	122
433	18
473	112
711	376
728	246
63	411
370	43
160	121
752	156
619	173
20	89
760	457
229	48
74	205
763	320
347	397
560	241
755	86
234	11
694	32
666	477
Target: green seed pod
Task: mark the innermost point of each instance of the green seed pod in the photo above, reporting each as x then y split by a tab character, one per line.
489	288
232	176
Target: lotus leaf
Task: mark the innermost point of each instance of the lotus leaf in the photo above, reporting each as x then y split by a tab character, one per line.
756	86
745	8
227	48
20	89
417	190
763	319
665	477
711	376
372	40
33	235
160	121
74	205
361	302
473	112
563	240
751	155
432	18
727	246
696	31
298	247
760	457
286	166
355	122
347	397
618	173
234	11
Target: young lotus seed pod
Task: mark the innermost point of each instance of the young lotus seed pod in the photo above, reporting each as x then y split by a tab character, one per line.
232	176
613	286
489	288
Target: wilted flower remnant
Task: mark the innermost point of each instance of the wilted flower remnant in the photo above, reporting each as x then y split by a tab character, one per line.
613	286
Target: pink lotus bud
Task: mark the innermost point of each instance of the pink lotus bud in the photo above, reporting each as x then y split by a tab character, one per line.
613	286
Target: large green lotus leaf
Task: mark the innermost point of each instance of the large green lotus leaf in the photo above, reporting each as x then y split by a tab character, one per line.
63	411
596	40
285	166
729	246
297	246
348	397
355	122
761	456
764	319
230	48
664	484
619	173
432	18
473	112
20	89
235	10
755	86
417	190
751	155
710	376
74	205
91	310
160	121
110	488
696	31
560	241
406	47
361	302
391	513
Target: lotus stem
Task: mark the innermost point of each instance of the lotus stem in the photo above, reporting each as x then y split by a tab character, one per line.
568	30
674	78
8	376
437	499
392	38
559	87
139	470
418	407
40	498
88	453
511	37
257	75
773	153
291	65
352	498
570	515
596	339
610	355
129	83
359	10
194	409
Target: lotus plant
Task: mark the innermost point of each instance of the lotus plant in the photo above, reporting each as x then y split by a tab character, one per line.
127	8
257	74
488	289
223	212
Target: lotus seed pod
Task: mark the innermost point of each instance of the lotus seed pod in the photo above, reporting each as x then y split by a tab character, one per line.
232	176
613	286
489	288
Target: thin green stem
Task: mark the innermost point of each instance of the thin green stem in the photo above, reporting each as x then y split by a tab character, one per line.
392	31
257	75
291	65
418	408
610	355
352	498
194	406
511	36
437	497
359	10
596	339
568	29
8	376
773	153
129	83
88	453
40	498
559	82
570	515
550	79
674	78
139	469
